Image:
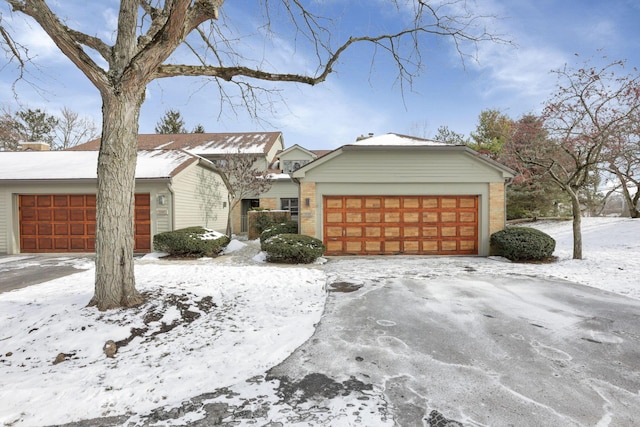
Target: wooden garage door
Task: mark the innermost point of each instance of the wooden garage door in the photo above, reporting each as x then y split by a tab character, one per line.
67	222
422	225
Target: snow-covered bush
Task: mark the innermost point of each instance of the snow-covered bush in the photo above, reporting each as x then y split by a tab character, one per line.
191	242
293	249
288	227
522	244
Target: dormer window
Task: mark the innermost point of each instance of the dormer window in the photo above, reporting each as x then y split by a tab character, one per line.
288	166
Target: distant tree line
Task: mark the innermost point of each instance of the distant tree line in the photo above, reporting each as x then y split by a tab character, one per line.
61	131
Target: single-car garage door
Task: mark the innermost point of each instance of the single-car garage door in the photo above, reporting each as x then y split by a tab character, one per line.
422	225
67	222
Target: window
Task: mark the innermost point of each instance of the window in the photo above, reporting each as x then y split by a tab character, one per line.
290	205
289	166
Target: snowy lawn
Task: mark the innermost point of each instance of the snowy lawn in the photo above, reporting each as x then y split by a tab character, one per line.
204	326
214	323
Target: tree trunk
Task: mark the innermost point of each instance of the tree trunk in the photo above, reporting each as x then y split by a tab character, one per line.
115	281
577	225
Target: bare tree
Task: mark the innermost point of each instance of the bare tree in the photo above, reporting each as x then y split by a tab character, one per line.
150	32
587	112
9	136
245	180
73	130
622	159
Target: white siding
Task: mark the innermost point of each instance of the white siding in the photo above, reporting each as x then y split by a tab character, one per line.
200	199
281	190
5	214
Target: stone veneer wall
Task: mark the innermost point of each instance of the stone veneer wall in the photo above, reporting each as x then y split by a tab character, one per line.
497	208
269	203
308	213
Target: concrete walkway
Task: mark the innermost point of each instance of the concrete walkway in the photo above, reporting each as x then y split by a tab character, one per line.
20	271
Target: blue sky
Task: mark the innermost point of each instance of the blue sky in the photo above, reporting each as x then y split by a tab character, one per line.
358	98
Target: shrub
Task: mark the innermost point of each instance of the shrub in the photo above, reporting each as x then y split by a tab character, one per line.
522	244
267	219
293	249
289	227
190	242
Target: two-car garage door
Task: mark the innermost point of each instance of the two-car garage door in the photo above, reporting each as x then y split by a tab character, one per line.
421	225
67	223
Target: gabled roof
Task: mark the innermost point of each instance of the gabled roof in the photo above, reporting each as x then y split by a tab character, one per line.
298	147
396	139
397	142
203	144
66	165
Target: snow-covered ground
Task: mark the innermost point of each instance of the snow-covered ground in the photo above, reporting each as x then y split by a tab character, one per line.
215	322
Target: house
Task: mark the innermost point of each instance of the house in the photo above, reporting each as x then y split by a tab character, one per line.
387	194
283	194
395	194
47	199
264	146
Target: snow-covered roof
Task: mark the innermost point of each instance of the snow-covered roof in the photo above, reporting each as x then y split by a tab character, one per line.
32	165
202	144
395	139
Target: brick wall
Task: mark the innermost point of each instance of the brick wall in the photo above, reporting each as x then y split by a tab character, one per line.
269	203
496	207
308	213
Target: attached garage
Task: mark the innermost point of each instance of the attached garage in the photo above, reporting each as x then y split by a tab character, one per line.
48	199
67	222
394	194
388	225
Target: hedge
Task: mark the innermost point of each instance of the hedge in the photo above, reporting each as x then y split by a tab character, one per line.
522	244
293	249
288	227
191	242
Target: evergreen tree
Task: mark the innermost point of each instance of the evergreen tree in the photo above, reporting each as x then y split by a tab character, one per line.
36	126
171	123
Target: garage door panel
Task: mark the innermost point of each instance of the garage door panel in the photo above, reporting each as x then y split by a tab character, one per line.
29	214
373	203
373	217
76	214
61	243
430	217
392	217
334	217
43	201
60	201
60	229
66	222
354	247
60	215
411	232
411	217
44	215
77	229
467	217
354	203
45	229
391	247
448	217
28	229
401	224
354	217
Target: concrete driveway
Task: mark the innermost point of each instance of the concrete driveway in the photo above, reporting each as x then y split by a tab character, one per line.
479	350
19	271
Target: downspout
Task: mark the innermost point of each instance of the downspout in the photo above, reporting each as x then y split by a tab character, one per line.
300	202
172	208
